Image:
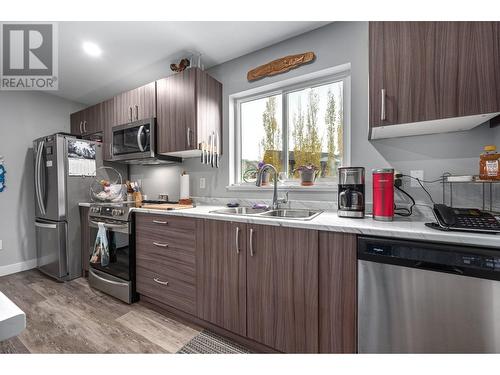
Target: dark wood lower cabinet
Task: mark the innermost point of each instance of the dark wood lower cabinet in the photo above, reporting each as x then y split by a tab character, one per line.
221	275
166	250
337	293
282	288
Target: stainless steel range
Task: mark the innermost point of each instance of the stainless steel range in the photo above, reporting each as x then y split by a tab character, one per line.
116	278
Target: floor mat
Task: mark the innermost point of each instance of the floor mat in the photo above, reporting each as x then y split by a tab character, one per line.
209	343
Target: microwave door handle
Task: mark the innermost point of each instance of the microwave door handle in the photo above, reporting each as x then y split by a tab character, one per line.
139	133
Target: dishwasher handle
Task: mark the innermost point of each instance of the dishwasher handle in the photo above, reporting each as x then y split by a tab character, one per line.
439	267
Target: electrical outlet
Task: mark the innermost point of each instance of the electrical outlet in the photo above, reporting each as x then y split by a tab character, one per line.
202	183
416	174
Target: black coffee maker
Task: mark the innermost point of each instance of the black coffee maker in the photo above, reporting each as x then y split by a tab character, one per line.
351	192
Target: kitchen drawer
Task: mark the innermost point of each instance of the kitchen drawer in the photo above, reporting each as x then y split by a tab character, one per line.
173	261
163	223
173	238
177	293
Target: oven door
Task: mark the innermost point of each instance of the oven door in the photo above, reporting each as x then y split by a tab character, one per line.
134	141
120	251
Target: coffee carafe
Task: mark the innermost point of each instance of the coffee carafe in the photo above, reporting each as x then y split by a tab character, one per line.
351	192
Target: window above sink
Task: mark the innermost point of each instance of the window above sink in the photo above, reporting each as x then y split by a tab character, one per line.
299	121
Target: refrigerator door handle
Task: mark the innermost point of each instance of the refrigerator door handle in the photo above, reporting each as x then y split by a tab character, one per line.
45	225
38	178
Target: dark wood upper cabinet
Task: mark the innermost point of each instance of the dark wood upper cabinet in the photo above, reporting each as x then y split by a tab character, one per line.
108	114
337	293
136	104
282	288
87	121
189	110
423	71
221	275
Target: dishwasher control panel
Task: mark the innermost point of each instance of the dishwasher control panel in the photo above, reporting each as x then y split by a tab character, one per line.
439	257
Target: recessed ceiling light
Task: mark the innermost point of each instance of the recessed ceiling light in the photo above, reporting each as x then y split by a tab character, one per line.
92	49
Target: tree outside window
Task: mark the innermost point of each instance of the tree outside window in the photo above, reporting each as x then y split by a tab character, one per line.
313	127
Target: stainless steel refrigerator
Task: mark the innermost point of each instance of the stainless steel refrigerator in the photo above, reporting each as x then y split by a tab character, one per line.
64	169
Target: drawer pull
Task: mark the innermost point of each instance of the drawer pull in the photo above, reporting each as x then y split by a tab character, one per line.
160	222
157	280
160	244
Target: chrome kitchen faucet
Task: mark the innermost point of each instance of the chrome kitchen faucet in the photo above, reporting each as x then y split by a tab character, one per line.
276	201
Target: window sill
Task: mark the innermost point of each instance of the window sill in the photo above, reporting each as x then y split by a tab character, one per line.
320	187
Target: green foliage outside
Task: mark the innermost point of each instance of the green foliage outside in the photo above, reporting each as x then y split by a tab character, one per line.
271	143
305	133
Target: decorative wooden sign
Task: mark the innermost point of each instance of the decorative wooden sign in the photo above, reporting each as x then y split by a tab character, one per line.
281	65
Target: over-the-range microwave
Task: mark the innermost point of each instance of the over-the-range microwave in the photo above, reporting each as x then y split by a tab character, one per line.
135	143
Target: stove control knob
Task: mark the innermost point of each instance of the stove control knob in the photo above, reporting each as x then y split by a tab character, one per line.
95	210
117	212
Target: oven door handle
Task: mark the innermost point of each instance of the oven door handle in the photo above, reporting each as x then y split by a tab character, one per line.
109	225
103	279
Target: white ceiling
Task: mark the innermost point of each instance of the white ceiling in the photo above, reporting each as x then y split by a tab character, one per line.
135	53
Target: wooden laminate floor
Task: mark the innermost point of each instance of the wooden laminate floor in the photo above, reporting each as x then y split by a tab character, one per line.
73	318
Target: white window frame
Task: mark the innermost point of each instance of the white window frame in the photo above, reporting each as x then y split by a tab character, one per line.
322	77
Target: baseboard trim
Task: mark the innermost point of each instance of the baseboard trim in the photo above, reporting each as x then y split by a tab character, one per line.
17	267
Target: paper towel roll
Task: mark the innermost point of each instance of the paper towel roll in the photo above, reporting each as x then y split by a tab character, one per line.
184	189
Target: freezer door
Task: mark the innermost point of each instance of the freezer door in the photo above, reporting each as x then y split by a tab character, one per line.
51	248
50	184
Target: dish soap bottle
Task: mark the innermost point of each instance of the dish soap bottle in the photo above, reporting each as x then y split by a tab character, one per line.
489	163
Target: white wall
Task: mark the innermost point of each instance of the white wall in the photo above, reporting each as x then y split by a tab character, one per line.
24	116
336	44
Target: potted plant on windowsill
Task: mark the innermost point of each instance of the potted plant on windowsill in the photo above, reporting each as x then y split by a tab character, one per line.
308	174
266	176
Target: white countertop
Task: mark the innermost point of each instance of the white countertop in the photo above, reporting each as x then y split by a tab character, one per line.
12	318
404	228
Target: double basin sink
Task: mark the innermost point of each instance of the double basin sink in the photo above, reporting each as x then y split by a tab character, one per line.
282	213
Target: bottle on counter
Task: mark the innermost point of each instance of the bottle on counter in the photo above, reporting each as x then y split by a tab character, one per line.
489	163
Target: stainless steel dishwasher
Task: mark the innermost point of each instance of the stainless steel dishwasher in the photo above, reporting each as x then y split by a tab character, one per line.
418	297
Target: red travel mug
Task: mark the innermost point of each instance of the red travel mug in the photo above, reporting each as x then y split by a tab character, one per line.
383	194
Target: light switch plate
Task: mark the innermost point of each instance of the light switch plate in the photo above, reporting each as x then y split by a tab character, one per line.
1	244
416	174
202	183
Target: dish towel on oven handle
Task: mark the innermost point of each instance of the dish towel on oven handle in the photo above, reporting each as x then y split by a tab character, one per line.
100	254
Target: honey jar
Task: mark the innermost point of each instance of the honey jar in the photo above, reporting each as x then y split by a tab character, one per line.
489	164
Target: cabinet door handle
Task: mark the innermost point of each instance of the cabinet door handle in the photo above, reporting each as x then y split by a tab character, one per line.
81	123
159	244
160	222
110	150
136	112
237	240
188	134
382	105
251	242
157	280
85	126
130	113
